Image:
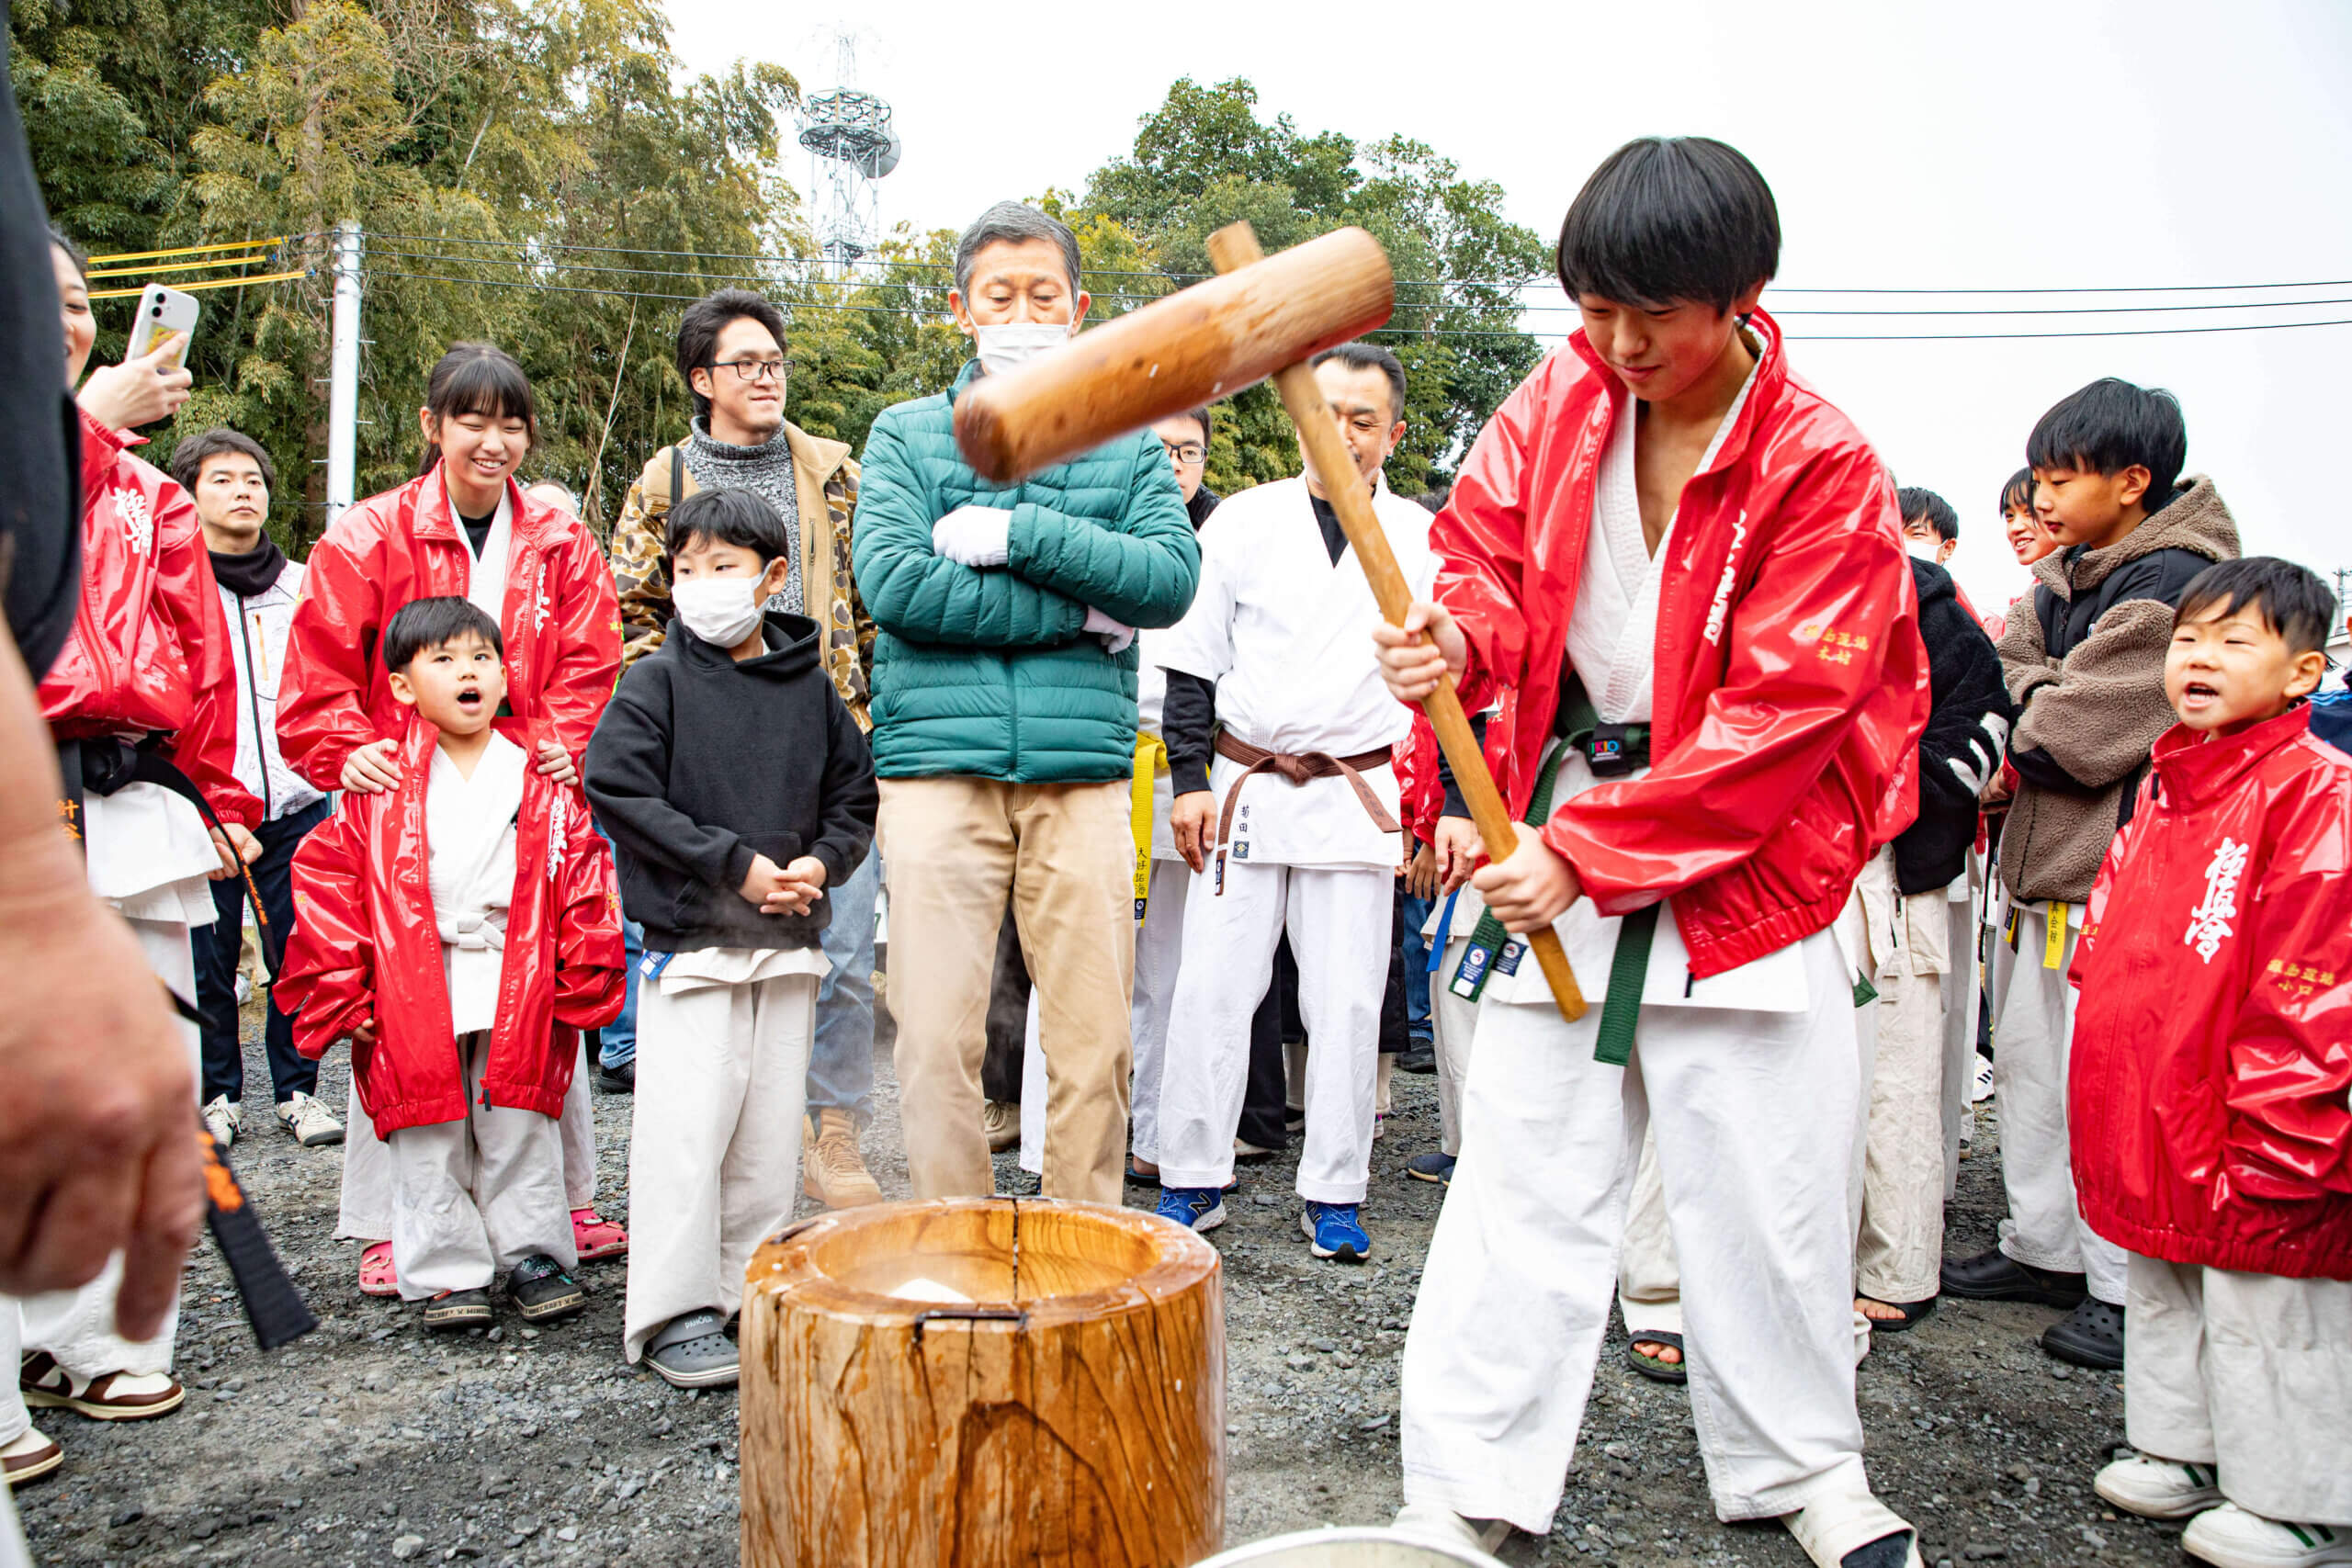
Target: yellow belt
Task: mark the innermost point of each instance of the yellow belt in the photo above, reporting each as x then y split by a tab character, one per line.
1151	756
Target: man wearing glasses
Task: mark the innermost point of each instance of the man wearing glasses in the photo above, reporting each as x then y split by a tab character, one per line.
731	353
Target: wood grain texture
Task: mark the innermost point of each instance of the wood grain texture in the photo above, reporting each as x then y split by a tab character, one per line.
1198	344
1234	251
1071	1413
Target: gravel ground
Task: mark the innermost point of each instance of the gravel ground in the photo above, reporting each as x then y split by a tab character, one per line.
371	1440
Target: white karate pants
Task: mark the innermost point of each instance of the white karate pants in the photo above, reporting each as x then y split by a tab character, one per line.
367	1205
2251	1373
77	1326
1454	1023
1160	946
471	1198
714	1153
1514	1296
1961	983
1649	1282
1341	924
1900	1250
2032	1040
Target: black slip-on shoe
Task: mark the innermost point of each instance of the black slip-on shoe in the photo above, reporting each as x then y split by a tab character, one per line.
1995	1276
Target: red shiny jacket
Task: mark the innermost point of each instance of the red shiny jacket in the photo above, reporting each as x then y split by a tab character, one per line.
366	948
2212	1048
561	622
1421	794
150	647
1790	684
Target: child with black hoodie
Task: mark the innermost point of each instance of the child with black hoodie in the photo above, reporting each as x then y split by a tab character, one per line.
737	788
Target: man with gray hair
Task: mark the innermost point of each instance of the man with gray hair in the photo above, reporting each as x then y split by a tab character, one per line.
1004	703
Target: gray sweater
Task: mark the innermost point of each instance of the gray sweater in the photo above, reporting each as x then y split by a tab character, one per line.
767	471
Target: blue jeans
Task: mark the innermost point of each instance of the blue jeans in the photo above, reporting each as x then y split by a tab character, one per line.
841	1059
217	947
619	1037
1414	915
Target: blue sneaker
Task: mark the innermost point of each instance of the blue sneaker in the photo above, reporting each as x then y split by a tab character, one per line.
1195	1208
1436	1167
1333	1230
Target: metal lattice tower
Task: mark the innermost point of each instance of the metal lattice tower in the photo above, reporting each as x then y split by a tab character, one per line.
851	147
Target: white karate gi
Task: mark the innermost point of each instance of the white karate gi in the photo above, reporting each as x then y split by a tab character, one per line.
1286	635
475	1197
1739	1076
723	1036
1900	1246
1159	942
150	856
2032	1036
1454	1020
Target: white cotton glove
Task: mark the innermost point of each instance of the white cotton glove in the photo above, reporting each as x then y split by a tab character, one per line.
976	536
1115	635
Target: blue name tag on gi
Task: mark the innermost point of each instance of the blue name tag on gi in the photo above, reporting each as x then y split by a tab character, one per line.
653	964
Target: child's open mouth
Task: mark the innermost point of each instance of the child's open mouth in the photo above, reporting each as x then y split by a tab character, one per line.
2199	691
469	699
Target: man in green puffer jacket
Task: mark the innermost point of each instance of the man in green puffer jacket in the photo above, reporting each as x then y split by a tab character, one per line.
1004	726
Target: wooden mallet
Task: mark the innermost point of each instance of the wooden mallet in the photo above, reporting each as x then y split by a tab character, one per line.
1263	316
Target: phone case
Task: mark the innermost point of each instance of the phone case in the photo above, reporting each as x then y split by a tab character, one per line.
163	312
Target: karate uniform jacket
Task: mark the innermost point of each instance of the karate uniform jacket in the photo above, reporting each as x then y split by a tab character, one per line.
365	946
561	622
2213	1051
1790	685
149	653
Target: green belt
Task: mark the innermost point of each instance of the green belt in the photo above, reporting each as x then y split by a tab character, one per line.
1613	749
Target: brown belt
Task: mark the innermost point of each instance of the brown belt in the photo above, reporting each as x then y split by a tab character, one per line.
1298	767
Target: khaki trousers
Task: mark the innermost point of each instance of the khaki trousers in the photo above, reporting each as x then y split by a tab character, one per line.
953	848
1900	1248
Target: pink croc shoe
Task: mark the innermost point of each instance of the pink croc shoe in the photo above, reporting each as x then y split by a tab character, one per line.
376	1275
596	1236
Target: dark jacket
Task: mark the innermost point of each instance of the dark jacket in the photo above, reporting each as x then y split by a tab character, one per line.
1968	722
2086	667
700	764
2332	716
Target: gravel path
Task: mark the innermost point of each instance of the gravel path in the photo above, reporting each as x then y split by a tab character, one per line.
372	1441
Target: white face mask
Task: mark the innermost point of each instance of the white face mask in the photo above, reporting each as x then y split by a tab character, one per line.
723	610
1010	344
1922	549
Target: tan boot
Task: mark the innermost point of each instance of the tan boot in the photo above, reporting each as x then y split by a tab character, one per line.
833	1172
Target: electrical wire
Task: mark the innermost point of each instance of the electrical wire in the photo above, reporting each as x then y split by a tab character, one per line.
1443	331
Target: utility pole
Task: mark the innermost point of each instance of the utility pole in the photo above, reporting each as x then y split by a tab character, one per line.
343	382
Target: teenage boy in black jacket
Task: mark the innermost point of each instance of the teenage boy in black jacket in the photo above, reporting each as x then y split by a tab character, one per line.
737	788
1921	932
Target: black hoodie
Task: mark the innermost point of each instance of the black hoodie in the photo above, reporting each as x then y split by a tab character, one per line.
700	764
1968	721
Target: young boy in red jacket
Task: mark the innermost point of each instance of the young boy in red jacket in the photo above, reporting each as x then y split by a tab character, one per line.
459	928
1670	553
2212	1054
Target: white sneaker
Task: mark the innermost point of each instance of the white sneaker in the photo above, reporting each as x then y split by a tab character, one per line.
2158	1488
307	1121
1442	1526
224	1118
2229	1537
1982	1089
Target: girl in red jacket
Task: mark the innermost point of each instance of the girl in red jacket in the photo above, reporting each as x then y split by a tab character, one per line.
142	701
2213	1056
459	929
462	527
1676	558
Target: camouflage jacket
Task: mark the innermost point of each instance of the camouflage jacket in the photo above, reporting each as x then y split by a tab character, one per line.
827	480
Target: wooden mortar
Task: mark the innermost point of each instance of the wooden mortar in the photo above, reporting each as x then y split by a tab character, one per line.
981	1383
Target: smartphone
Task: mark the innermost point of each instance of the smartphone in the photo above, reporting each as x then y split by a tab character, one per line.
162	312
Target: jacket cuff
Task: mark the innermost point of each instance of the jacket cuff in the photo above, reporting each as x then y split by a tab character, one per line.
738	866
837	866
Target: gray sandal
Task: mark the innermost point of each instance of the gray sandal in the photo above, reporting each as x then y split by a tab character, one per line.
692	1350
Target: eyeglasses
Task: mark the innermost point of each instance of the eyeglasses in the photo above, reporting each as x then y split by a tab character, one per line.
754	369
1188	452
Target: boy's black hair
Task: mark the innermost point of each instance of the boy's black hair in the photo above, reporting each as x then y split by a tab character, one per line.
2111	425
1669	218
188	456
2017	492
1917	503
731	517
699	328
483	378
2291	600
428	623
1201	414
1361	355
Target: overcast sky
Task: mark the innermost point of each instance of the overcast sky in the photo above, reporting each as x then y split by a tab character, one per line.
2062	143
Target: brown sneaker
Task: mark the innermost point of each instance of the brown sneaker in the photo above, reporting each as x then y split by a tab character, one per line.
832	1171
1001	1121
30	1457
110	1396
